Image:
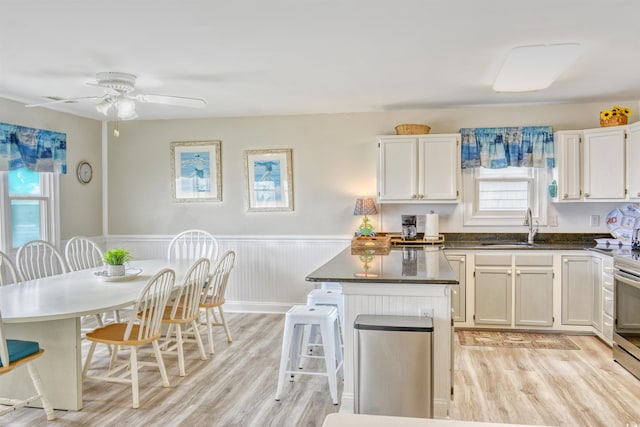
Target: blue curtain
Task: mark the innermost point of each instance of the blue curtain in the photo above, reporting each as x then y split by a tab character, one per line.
495	148
36	149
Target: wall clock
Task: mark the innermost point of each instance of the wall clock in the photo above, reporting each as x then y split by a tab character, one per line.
85	172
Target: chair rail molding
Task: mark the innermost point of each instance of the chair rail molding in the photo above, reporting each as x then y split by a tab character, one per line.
269	274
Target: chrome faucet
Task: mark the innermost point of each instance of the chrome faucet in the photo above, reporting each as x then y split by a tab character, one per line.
528	221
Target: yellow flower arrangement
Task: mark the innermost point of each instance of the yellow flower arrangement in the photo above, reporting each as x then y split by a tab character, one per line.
616	111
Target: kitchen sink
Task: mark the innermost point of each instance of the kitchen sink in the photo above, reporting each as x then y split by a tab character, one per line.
507	245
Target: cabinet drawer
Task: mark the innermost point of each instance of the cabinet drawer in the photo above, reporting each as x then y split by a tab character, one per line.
494	259
607	265
607	282
534	260
607	303
607	328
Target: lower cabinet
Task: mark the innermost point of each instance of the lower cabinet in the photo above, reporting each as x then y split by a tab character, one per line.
596	304
458	295
577	290
514	290
534	290
607	300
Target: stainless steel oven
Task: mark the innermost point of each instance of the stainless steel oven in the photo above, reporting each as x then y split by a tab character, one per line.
626	332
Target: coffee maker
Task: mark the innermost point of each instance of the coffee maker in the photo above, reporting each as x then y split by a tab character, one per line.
409	231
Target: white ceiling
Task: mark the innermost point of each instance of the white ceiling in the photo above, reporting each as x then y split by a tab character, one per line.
266	57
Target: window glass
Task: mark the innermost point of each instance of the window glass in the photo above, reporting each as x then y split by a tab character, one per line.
26	222
24	182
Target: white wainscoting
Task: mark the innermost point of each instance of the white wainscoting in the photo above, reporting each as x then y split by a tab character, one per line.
269	274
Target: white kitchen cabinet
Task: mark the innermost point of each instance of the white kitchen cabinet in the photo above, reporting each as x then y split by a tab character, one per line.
607	300
577	292
568	170
493	285
596	305
419	168
604	172
533	290
458	293
527	280
633	159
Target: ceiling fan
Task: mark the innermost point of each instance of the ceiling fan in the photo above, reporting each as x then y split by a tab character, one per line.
119	95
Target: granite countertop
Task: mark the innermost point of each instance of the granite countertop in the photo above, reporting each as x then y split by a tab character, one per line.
518	241
417	265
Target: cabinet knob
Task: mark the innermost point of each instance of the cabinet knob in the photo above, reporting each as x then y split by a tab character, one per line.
587	195
566	196
421	196
508	272
414	196
517	272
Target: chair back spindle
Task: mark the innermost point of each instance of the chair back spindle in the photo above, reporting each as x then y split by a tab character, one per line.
82	253
193	244
37	259
8	272
188	300
150	307
217	285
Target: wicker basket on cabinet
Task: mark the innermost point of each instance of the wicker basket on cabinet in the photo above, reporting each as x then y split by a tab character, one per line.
410	129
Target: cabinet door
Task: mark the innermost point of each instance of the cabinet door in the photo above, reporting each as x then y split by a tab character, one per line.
458	294
534	296
493	296
577	292
604	164
633	159
596	284
397	169
568	173
439	167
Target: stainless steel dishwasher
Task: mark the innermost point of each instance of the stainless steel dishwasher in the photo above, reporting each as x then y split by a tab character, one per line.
393	364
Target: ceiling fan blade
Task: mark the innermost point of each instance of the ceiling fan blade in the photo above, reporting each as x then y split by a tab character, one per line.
63	100
181	101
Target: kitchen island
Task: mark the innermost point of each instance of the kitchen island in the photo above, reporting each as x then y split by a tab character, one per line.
402	281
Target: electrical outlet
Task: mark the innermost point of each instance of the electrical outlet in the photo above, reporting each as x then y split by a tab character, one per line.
595	220
553	220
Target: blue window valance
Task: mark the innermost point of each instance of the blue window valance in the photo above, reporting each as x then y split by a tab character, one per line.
495	148
36	149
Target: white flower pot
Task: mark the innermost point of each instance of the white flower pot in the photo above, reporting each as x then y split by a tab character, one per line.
115	270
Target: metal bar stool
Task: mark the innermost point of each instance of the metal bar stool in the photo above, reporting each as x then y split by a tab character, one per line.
326	318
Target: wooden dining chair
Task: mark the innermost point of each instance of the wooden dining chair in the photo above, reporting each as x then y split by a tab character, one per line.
184	310
138	331
213	295
16	353
37	259
8	272
82	253
193	244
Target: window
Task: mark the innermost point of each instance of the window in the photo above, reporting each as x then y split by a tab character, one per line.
29	208
501	196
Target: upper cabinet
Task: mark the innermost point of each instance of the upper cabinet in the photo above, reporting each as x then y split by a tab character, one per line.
568	173
633	159
419	168
593	165
604	164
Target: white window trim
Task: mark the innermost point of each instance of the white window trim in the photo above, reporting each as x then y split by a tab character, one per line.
51	195
537	203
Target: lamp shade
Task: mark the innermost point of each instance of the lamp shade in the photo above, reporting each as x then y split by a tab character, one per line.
365	207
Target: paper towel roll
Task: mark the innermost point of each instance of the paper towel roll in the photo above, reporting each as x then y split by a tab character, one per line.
431	227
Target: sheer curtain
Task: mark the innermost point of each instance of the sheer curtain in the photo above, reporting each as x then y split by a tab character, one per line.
495	148
36	149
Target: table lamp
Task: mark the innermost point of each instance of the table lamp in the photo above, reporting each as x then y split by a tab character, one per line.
365	207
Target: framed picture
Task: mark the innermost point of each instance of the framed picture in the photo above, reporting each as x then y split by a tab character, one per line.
195	171
269	180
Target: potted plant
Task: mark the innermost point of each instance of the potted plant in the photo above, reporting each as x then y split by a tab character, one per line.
115	259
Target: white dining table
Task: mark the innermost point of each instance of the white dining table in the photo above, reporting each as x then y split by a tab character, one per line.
49	310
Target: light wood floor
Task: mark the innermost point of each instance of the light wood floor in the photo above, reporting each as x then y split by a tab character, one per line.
236	387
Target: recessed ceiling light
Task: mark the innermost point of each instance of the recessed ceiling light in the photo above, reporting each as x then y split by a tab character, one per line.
529	68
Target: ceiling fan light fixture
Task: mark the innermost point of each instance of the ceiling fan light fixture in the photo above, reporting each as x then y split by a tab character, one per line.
536	67
104	106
